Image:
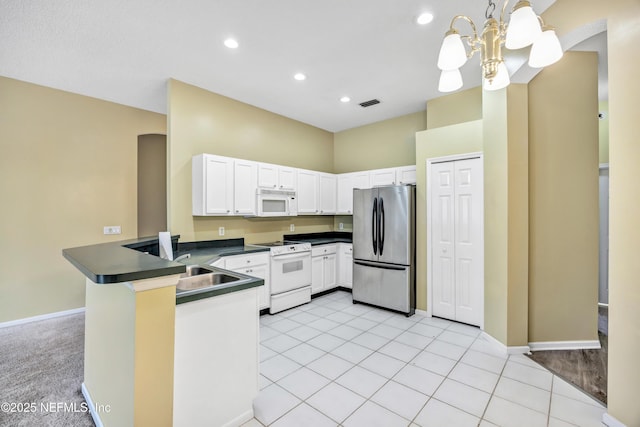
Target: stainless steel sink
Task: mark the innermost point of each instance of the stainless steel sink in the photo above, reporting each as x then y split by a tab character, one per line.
197	277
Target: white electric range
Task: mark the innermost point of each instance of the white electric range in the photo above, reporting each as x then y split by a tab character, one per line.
290	274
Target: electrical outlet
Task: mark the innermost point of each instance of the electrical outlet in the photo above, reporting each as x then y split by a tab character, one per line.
112	229
220	231
292	227
341	226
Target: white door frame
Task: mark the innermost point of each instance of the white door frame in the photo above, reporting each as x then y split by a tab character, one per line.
429	162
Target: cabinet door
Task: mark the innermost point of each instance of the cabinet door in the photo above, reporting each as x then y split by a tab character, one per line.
261	271
329	271
287	178
345	184
380	177
406	175
317	273
218	185
244	192
327	194
307	192
267	175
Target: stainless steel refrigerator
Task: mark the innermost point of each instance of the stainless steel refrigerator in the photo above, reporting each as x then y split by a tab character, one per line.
384	247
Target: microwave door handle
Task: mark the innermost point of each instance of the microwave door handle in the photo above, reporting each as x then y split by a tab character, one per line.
381	227
374	225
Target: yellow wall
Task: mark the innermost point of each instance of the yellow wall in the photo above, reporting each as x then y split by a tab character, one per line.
152	184
563	149
67	169
205	122
379	145
443	141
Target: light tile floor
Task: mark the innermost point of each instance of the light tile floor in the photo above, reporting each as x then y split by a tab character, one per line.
333	363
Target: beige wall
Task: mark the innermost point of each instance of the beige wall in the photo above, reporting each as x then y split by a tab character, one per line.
443	141
67	169
205	122
603	128
152	184
563	150
458	107
505	116
623	32
379	145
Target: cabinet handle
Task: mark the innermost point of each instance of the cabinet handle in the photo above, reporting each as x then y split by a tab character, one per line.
248	261
275	185
228	210
237	210
281	186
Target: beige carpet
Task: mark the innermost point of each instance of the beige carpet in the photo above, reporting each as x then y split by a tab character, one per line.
41	371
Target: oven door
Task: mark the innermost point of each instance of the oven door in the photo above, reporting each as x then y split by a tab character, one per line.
290	271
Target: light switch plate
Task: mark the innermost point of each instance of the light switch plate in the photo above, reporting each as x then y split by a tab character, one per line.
341	226
220	231
292	227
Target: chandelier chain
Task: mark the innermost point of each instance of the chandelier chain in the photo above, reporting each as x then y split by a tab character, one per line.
490	9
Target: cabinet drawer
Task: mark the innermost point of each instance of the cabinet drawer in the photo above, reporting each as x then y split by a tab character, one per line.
240	261
323	250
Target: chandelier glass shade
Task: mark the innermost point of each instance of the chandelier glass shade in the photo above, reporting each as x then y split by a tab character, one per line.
525	28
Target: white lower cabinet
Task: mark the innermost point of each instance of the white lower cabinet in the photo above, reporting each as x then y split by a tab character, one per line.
345	265
323	268
256	265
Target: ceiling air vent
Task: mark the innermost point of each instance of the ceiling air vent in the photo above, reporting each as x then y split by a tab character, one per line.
369	103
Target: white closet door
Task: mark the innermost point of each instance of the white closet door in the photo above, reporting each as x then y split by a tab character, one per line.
457	247
443	238
469	247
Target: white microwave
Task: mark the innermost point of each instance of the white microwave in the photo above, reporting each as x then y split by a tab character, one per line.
277	203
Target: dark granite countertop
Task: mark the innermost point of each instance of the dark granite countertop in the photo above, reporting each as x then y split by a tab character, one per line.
207	252
321	238
122	261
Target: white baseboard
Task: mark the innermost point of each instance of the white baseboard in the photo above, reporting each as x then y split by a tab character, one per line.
611	421
518	349
502	348
92	411
565	345
240	419
422	313
41	317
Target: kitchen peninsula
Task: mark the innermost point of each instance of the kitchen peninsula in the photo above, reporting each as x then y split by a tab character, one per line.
158	356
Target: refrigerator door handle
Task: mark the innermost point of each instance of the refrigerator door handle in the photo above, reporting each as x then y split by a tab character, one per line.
374	221
381	226
378	265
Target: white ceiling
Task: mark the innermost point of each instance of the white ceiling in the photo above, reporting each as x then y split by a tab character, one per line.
125	51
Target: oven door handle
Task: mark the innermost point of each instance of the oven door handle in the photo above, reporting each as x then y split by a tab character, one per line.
288	257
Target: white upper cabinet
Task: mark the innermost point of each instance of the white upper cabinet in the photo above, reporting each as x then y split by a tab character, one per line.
245	184
380	177
228	186
327	193
275	176
212	185
307	192
406	175
346	183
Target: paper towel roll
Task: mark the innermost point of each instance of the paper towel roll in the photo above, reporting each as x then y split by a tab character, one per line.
166	250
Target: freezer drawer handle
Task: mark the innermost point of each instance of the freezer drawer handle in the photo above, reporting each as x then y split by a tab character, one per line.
382	266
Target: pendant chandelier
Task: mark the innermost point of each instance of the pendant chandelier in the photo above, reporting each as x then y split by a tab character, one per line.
524	29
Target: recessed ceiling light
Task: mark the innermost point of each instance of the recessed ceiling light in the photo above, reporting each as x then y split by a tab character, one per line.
425	18
299	76
345	99
231	43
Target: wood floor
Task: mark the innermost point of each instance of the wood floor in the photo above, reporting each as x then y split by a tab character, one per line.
587	369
